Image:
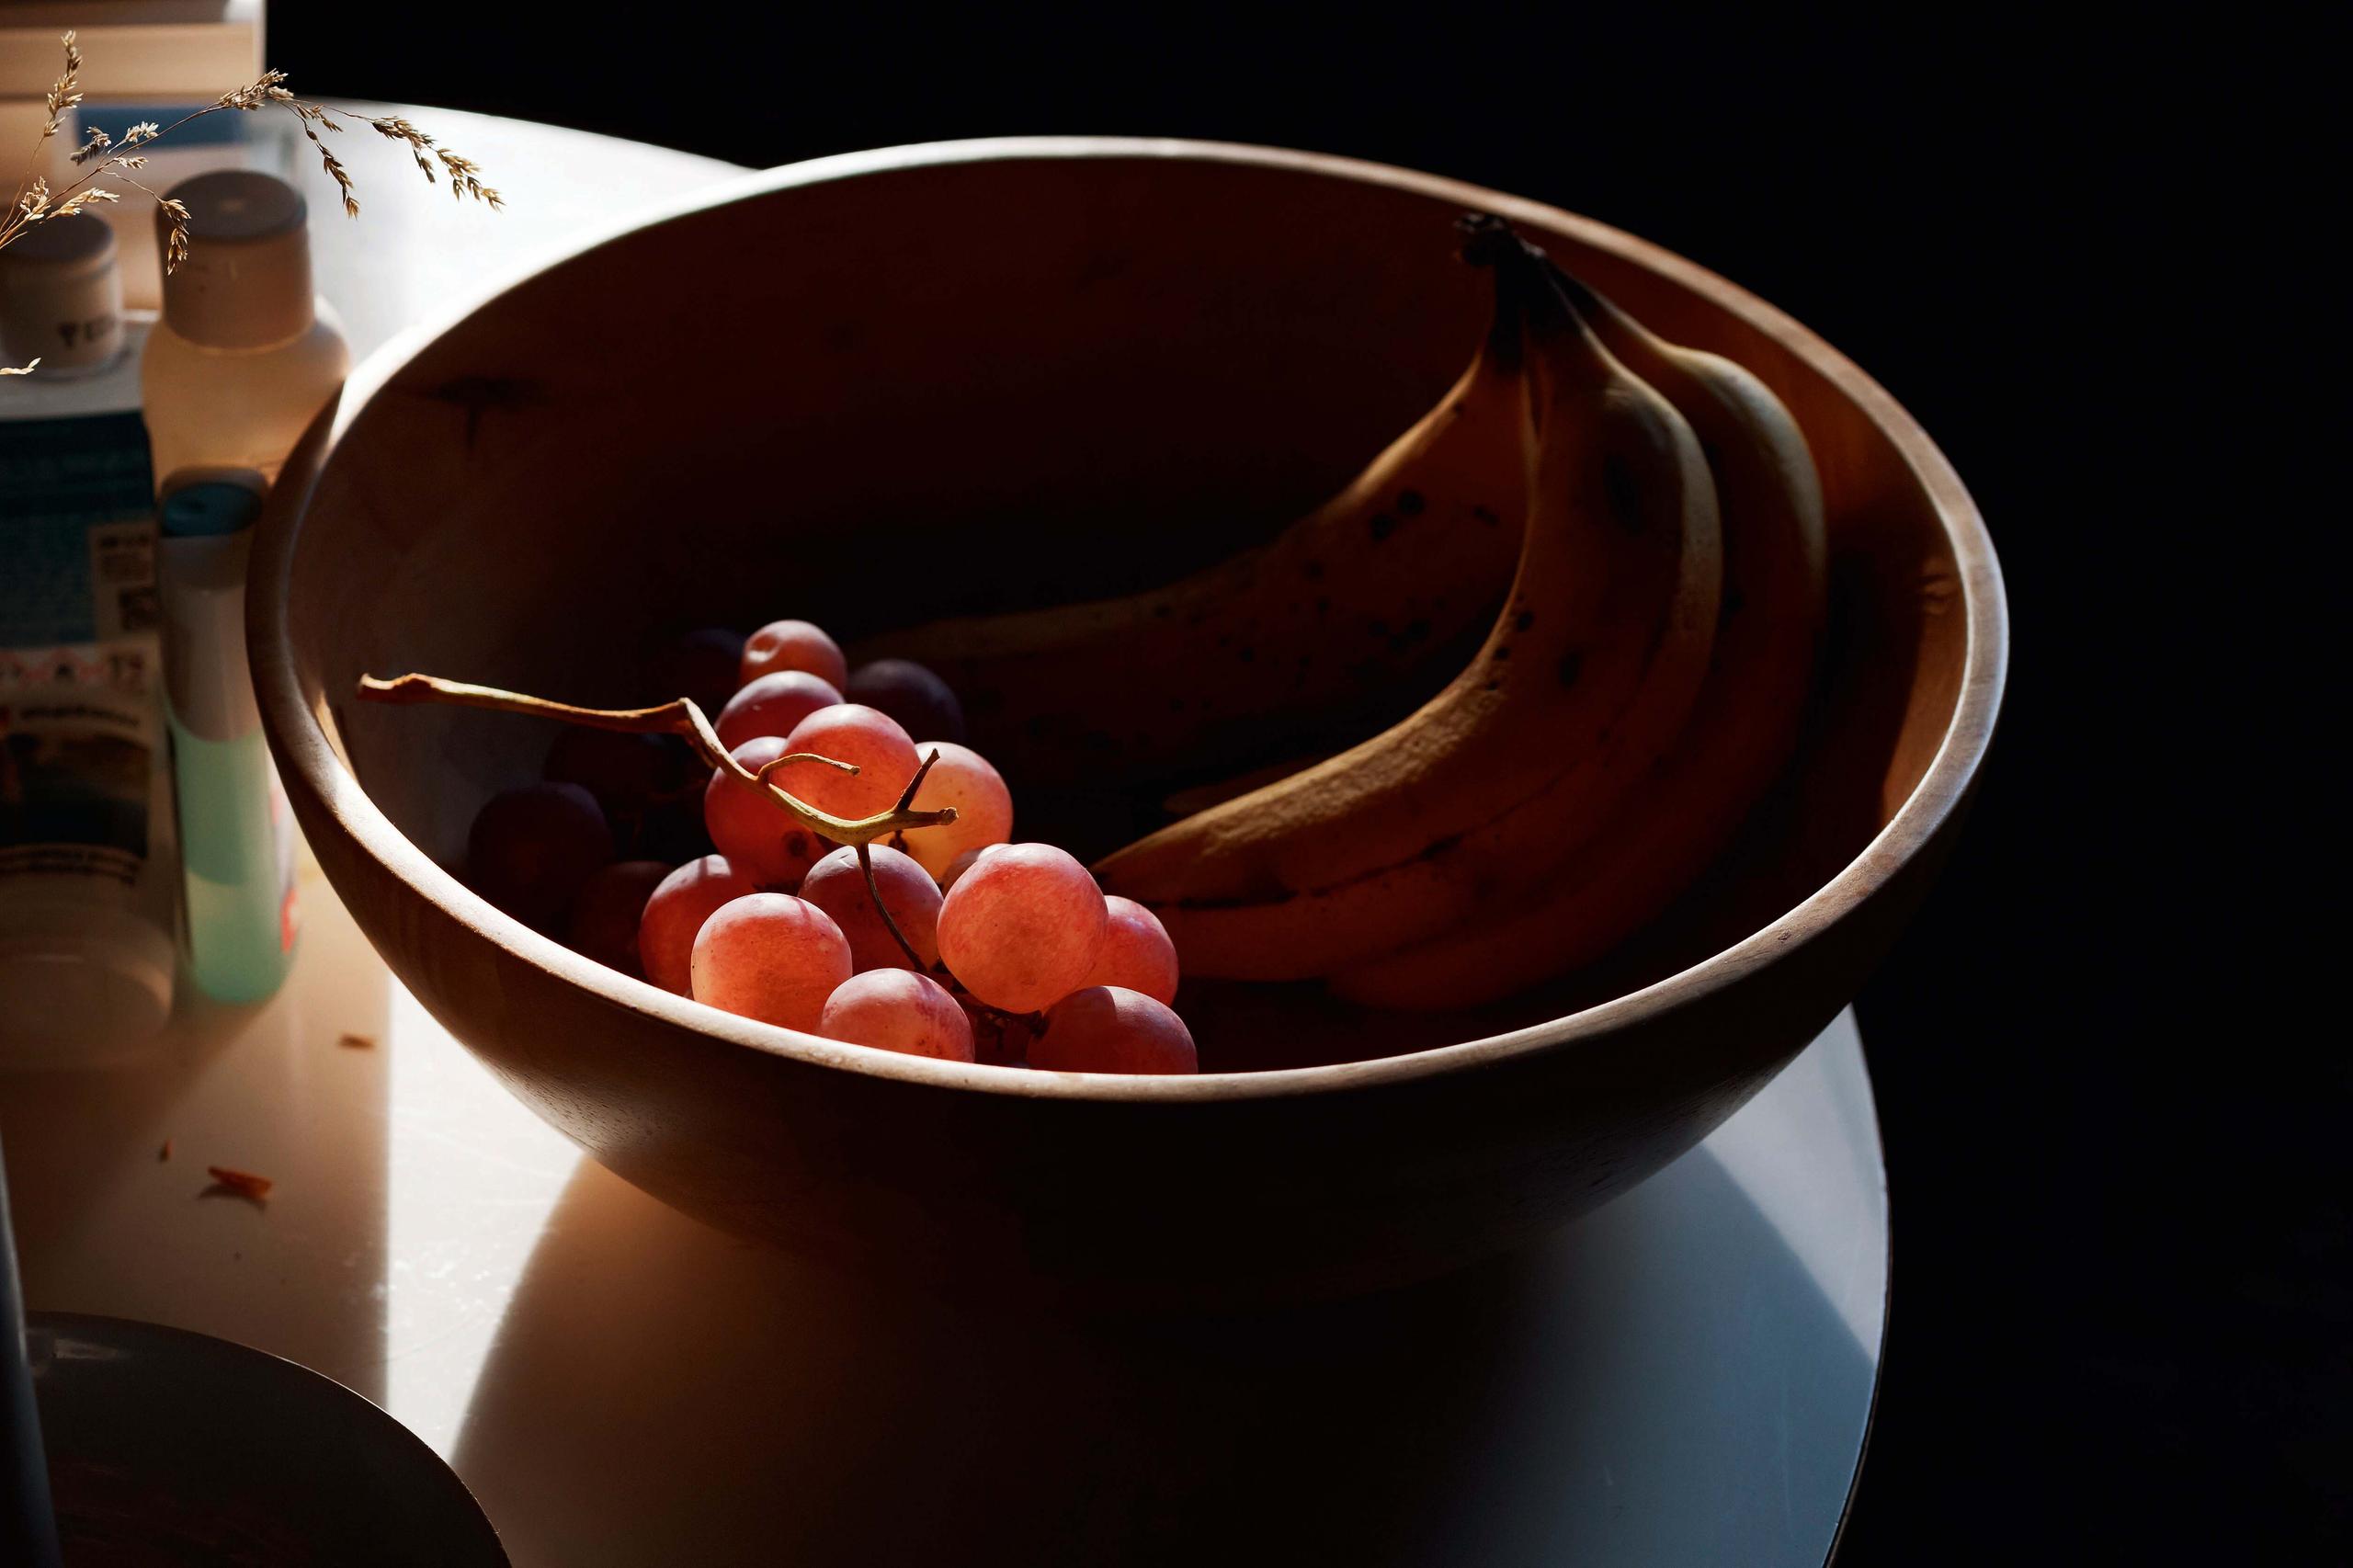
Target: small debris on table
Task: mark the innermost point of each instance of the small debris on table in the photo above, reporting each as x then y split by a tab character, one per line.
242	1184
166	1152
358	1042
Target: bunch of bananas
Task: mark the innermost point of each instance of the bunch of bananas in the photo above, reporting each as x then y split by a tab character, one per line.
1639	689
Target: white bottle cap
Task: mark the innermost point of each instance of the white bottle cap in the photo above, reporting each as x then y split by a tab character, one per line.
246	282
61	298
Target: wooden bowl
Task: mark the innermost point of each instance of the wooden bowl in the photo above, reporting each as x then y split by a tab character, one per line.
875	388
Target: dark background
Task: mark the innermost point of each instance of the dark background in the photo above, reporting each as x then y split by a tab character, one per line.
2122	1321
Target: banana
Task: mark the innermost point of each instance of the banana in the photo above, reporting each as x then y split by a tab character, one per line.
1202	797
1342	609
1584	682
1740	735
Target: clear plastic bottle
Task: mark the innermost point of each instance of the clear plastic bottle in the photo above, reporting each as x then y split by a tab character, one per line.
244	358
88	876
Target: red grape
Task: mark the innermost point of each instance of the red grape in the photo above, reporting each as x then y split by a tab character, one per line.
962	778
847	732
792	645
772	705
835	885
1137	953
1107	1028
605	912
675	912
1023	927
759	838
911	694
772	956
896	1009
531	848
962	864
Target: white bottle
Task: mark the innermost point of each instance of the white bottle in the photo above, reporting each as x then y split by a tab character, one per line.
88	877
244	360
245	354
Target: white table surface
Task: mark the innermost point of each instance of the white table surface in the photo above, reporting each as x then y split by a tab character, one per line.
1683	1378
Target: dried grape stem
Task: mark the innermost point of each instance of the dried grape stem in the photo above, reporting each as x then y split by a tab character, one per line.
908	795
874	892
866	864
679	718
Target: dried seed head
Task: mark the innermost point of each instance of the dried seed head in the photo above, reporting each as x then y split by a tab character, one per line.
36	203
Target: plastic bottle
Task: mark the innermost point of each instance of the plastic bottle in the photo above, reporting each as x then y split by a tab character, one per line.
245	356
237	832
88	877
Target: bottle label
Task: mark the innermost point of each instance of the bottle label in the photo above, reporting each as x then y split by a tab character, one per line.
79	650
77	524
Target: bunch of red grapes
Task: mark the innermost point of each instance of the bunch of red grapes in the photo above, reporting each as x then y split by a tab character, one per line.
706	887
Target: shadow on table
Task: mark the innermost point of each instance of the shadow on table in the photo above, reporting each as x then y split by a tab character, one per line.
1662	1383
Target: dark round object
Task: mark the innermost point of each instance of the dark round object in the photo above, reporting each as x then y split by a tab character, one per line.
623	771
701	665
603	924
673	831
171	1446
532	849
910	693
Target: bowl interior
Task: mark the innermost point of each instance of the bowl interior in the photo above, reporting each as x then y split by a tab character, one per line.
896	388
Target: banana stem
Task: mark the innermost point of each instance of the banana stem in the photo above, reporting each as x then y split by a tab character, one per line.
1546	295
679	718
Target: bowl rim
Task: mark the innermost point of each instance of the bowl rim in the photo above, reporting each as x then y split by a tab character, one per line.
303	747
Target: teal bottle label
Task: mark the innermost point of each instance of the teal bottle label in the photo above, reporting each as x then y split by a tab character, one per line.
79	650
